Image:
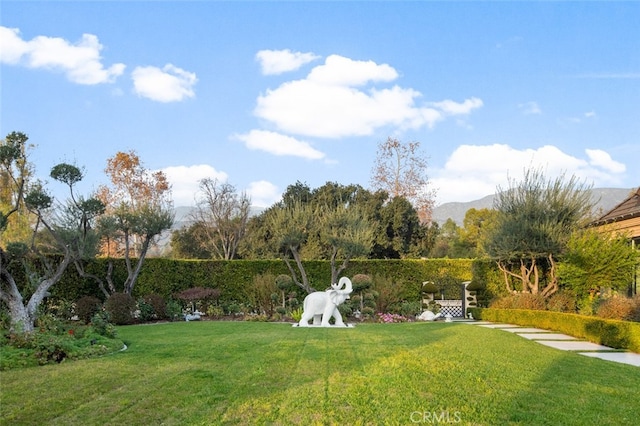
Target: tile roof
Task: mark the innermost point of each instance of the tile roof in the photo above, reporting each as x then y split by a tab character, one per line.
627	209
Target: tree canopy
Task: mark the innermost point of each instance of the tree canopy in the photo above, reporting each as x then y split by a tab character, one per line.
535	220
62	230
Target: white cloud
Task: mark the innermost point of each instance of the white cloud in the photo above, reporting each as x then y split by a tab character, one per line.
280	61
185	181
278	144
80	61
602	159
263	193
331	102
530	108
340	71
590	114
474	171
450	107
169	84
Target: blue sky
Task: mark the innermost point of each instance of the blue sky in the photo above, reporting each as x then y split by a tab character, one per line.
264	94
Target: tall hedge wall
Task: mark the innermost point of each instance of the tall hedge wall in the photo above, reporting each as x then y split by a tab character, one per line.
235	278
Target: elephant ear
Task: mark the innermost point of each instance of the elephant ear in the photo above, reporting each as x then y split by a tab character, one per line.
334	296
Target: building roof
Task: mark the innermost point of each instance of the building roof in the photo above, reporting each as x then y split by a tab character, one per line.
627	209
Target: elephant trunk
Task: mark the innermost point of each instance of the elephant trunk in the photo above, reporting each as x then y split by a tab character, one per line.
346	283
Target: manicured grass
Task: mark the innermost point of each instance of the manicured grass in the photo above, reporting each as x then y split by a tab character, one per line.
213	373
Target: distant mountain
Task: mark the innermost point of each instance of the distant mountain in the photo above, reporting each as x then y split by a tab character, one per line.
183	215
604	198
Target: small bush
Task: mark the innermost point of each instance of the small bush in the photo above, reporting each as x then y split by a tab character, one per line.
368	312
158	305
296	314
635	312
145	311
521	301
173	310
562	301
87	307
101	325
620	308
215	311
121	308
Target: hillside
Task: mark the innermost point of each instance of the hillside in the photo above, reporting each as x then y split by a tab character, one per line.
604	198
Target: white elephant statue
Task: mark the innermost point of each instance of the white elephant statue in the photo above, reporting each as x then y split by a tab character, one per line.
322	305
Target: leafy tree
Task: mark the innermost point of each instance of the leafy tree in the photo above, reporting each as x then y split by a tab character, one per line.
448	235
330	225
16	223
290	227
594	260
397	230
185	243
535	220
477	225
139	210
400	231
221	215
400	170
64	235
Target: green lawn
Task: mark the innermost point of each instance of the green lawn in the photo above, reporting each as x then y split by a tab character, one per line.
211	373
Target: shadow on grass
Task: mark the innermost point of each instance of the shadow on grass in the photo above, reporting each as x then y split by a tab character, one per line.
263	373
571	389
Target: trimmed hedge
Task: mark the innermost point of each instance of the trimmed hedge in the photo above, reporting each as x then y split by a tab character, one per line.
613	333
234	278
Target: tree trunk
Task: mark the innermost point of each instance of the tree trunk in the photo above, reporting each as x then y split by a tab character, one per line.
133	273
23	317
337	271
305	281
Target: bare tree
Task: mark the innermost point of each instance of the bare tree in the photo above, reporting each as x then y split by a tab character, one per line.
402	172
222	214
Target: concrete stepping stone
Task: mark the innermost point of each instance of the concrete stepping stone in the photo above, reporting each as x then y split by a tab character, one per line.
546	336
492	325
622	357
574	345
526	330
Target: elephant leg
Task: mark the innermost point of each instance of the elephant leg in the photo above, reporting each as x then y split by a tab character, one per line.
338	317
317	319
327	314
304	321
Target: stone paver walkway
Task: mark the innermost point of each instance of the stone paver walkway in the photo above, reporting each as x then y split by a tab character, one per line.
566	343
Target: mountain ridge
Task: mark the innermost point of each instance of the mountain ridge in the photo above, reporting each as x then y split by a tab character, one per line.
604	199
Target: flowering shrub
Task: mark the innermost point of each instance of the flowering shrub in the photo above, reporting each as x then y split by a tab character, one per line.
391	318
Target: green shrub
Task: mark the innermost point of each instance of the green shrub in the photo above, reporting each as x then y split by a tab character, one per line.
158	304
145	311
121	308
368	312
174	310
345	310
296	314
101	325
215	311
613	333
87	307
